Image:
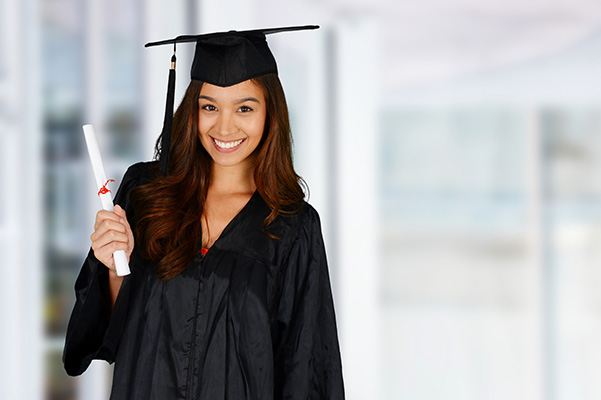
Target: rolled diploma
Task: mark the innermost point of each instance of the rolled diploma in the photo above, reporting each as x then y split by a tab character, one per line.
105	198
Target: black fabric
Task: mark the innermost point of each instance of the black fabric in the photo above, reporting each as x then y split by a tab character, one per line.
167	122
252	319
227	58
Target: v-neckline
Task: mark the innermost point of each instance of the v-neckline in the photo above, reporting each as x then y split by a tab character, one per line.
229	225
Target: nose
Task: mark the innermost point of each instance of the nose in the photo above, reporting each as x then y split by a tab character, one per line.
226	124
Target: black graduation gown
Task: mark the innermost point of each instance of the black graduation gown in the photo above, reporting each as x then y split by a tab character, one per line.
252	319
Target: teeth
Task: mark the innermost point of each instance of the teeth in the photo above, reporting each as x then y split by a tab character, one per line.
227	145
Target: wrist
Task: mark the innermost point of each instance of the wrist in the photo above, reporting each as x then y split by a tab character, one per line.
113	275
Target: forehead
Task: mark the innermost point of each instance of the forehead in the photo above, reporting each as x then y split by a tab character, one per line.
241	90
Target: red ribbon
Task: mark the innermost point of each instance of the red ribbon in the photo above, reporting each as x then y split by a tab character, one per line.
104	189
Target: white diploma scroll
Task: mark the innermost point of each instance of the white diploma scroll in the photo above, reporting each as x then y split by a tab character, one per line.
105	195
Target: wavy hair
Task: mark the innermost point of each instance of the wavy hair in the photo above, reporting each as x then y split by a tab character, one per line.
168	209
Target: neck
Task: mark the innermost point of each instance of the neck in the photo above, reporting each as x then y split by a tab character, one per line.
235	179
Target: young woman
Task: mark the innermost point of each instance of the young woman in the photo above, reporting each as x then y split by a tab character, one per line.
229	294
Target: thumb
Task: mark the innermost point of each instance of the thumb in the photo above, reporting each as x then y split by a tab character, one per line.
119	211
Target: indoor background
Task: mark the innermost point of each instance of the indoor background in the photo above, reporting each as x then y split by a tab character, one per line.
452	148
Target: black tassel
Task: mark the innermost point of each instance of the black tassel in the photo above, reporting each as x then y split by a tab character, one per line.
168	121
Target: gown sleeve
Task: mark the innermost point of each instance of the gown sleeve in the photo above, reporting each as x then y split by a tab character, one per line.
94	330
306	350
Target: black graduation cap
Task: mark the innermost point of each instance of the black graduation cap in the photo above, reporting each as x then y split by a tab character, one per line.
222	59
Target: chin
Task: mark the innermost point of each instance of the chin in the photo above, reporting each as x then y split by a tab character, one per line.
228	161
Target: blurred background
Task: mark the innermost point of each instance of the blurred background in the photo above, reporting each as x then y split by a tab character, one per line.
452	148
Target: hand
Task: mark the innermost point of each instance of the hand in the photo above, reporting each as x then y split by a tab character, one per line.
111	233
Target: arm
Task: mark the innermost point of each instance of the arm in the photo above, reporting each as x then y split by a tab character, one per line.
112	232
99	317
306	349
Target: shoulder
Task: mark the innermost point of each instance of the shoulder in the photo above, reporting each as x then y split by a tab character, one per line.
136	175
140	172
303	250
310	214
302	223
309	225
308	217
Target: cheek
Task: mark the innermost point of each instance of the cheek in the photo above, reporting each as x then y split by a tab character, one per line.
201	134
258	129
201	125
203	128
259	126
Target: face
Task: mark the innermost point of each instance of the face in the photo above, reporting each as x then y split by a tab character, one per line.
231	122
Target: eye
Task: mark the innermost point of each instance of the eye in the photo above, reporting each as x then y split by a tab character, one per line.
245	109
209	107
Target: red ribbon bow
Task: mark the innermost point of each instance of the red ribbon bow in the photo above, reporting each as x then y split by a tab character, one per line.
104	189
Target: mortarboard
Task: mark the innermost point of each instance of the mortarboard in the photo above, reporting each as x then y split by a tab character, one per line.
222	59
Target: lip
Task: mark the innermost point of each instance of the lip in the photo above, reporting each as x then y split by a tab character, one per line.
227	150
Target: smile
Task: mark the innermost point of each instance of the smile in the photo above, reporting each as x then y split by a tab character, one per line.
228	145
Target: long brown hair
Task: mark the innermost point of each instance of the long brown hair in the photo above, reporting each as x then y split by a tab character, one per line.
169	209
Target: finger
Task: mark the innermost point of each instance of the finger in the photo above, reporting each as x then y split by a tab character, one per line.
108	237
104	254
108	225
123	217
130	236
119	211
125	223
103	215
104	231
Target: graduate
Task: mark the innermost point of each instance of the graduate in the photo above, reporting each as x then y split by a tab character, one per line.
229	294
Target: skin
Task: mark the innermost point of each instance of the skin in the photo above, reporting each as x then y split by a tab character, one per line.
111	233
226	115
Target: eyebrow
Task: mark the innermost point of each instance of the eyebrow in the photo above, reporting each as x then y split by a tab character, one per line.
238	101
